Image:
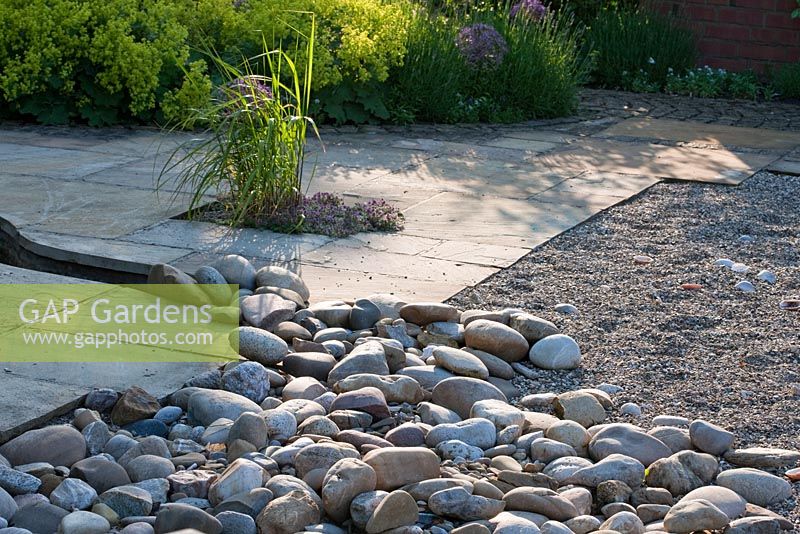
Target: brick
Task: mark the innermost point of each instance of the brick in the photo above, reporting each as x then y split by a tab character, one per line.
698	12
745	17
731	32
715	48
768	53
774	36
767	5
785	6
781	20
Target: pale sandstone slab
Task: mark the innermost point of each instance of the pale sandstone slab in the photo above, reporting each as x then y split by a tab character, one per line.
531	146
703	134
399	265
606	184
470	175
209	237
493	220
56	163
539	135
677	163
340	284
477	253
77	208
785	166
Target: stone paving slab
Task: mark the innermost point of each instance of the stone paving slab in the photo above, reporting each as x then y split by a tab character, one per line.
81	209
539	135
399	265
605	184
332	283
55	162
52	389
477	253
499	221
342	284
142	173
484	176
117	141
785	166
529	146
114	254
687	132
214	238
670	162
481	199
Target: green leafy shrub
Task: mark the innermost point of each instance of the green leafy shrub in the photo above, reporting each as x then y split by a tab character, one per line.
627	42
95	61
193	94
538	75
121	60
787	81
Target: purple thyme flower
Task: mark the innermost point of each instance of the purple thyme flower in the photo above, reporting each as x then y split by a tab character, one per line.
529	9
481	46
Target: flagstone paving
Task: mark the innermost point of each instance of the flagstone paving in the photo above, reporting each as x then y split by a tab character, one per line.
475	199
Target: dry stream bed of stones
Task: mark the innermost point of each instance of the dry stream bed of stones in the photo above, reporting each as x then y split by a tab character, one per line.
381	416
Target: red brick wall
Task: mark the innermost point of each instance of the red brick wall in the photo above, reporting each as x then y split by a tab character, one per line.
740	34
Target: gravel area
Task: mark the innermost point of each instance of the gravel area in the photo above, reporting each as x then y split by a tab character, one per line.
729	357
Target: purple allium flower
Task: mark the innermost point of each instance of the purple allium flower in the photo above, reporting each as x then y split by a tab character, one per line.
481	46
250	90
529	9
251	86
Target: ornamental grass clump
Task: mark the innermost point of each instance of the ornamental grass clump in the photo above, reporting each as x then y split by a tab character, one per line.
252	152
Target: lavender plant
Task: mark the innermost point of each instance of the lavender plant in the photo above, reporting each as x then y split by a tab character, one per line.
528	10
485	64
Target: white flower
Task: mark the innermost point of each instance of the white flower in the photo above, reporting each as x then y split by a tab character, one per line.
651	61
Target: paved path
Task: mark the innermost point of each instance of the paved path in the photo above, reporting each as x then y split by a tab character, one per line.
475	199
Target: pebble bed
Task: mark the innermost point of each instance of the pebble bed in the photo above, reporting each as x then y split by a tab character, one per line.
575	392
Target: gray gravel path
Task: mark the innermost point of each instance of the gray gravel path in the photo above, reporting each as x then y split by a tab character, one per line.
729	357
